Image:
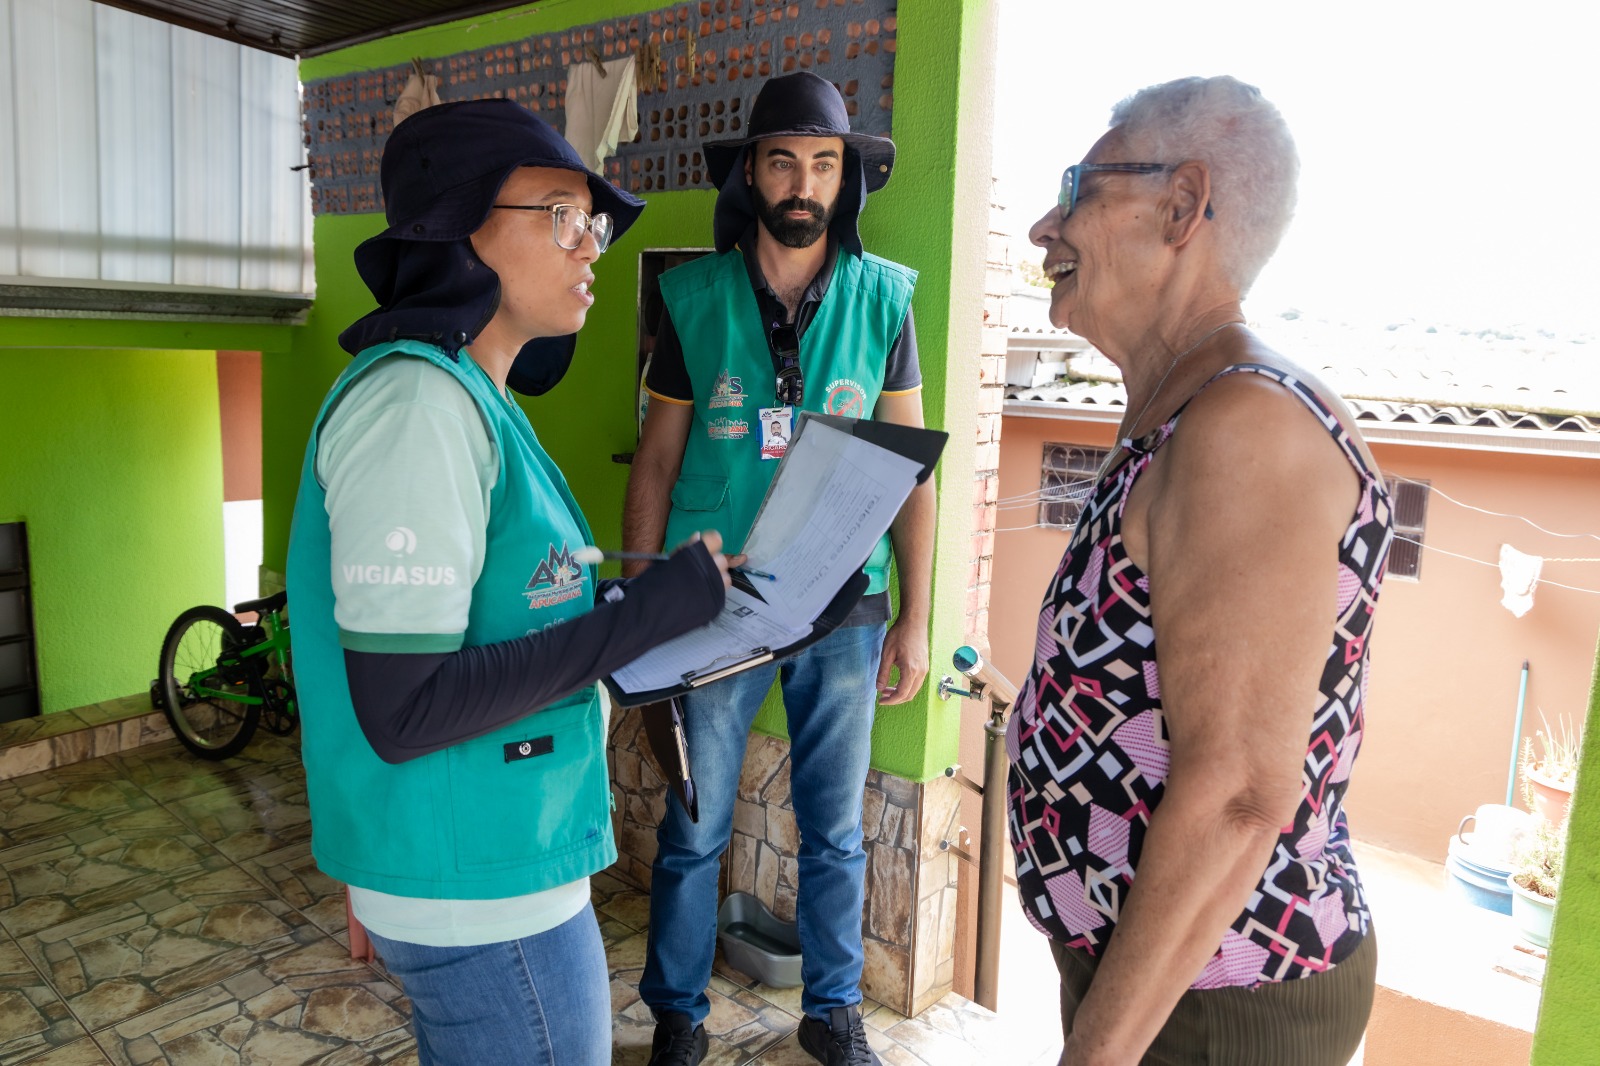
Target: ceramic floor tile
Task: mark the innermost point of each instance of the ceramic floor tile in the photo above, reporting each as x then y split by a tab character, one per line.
33	1019
122	857
629	906
739	1028
312	1004
116	710
64	799
955	1030
84	1052
126	959
292	873
262	813
169	771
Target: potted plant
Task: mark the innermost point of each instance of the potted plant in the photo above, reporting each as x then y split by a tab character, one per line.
1548	772
1535	878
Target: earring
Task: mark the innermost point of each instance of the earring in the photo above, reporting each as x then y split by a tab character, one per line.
1169	240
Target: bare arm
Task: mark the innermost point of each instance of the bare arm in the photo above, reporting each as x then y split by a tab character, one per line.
906	645
1246	505
651	477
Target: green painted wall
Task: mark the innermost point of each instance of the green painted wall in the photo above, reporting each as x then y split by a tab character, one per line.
113	458
932	216
1569	1025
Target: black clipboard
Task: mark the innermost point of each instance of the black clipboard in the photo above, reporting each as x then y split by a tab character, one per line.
662	713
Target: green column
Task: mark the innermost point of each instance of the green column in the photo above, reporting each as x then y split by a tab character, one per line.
1569	1022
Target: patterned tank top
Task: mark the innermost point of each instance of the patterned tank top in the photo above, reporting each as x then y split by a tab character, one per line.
1089	746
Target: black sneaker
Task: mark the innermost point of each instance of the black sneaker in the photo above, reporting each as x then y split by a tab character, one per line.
678	1041
839	1041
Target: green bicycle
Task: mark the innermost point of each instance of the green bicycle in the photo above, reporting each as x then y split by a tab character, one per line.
220	679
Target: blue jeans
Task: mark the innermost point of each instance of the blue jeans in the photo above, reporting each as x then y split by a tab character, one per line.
544	1000
829	693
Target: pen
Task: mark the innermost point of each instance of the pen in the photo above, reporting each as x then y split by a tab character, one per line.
589	554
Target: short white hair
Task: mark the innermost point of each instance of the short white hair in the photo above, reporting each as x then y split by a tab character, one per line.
1243	141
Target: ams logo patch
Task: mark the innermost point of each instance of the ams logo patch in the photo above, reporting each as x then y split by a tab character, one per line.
727	391
556	580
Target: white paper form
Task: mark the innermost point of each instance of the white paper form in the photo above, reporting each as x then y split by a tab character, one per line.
833	497
745	626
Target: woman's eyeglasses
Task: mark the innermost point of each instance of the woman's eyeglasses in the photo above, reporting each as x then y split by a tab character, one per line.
568	224
1072	180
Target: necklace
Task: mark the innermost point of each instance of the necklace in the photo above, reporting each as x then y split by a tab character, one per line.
1168	373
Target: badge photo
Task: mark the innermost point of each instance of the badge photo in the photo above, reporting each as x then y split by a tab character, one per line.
777	424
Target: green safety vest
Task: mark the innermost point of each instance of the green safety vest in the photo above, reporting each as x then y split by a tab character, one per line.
725	349
477	820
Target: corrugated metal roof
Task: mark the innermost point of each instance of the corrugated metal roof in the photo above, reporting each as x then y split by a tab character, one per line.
1110	394
304	27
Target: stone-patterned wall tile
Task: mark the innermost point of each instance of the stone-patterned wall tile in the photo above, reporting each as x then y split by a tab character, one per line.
890	892
872	804
763	758
766	874
749	817
886	974
934	873
925	954
941	807
742	864
782	832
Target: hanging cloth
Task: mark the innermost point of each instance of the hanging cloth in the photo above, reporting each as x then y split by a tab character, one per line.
602	108
422	90
1519	574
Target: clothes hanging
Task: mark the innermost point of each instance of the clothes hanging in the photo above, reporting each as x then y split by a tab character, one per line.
602	109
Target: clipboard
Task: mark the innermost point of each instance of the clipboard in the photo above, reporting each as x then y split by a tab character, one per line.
838	609
921	446
662	715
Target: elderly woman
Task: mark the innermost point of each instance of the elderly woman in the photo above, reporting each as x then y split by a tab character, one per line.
1183	744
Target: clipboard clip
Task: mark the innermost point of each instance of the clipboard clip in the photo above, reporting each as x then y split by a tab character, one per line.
733	664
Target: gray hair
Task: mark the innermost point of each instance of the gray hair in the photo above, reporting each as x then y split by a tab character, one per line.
1245	143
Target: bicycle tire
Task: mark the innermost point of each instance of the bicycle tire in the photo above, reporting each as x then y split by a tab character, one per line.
211	726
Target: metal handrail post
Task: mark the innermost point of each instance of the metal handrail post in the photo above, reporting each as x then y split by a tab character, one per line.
991	686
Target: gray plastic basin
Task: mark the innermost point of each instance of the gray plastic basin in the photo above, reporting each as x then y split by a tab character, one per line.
755	942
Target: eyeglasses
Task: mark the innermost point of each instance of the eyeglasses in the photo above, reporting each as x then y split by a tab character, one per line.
1072	179
568	224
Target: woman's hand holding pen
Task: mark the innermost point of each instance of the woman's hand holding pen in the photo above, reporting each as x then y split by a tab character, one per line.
713	542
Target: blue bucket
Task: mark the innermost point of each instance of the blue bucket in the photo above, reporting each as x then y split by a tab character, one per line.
1480	884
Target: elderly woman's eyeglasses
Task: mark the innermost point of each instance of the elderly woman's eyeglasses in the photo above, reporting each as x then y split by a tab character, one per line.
568	224
1072	179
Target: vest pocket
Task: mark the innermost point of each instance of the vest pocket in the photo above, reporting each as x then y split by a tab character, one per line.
538	788
699	492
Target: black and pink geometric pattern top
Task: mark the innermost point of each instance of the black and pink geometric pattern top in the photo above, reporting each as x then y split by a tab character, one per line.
1089	747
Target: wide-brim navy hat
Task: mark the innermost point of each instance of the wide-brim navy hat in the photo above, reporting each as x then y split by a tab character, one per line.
442	171
802	105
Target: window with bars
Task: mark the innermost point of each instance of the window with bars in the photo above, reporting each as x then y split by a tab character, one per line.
1066	477
1410	501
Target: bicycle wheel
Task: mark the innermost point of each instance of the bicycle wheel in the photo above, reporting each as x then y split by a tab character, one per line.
202	682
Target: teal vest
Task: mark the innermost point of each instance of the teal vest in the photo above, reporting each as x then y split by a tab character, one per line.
463	823
725	349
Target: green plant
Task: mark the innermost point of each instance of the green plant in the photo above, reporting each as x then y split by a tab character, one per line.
1538	858
1557	757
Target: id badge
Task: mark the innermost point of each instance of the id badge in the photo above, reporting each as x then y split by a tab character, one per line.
776	425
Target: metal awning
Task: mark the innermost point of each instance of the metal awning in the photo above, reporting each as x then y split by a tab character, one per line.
305	27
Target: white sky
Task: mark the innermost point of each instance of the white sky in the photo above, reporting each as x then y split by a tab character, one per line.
1450	152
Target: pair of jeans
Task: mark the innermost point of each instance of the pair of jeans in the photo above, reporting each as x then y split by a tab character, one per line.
829	692
544	1000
